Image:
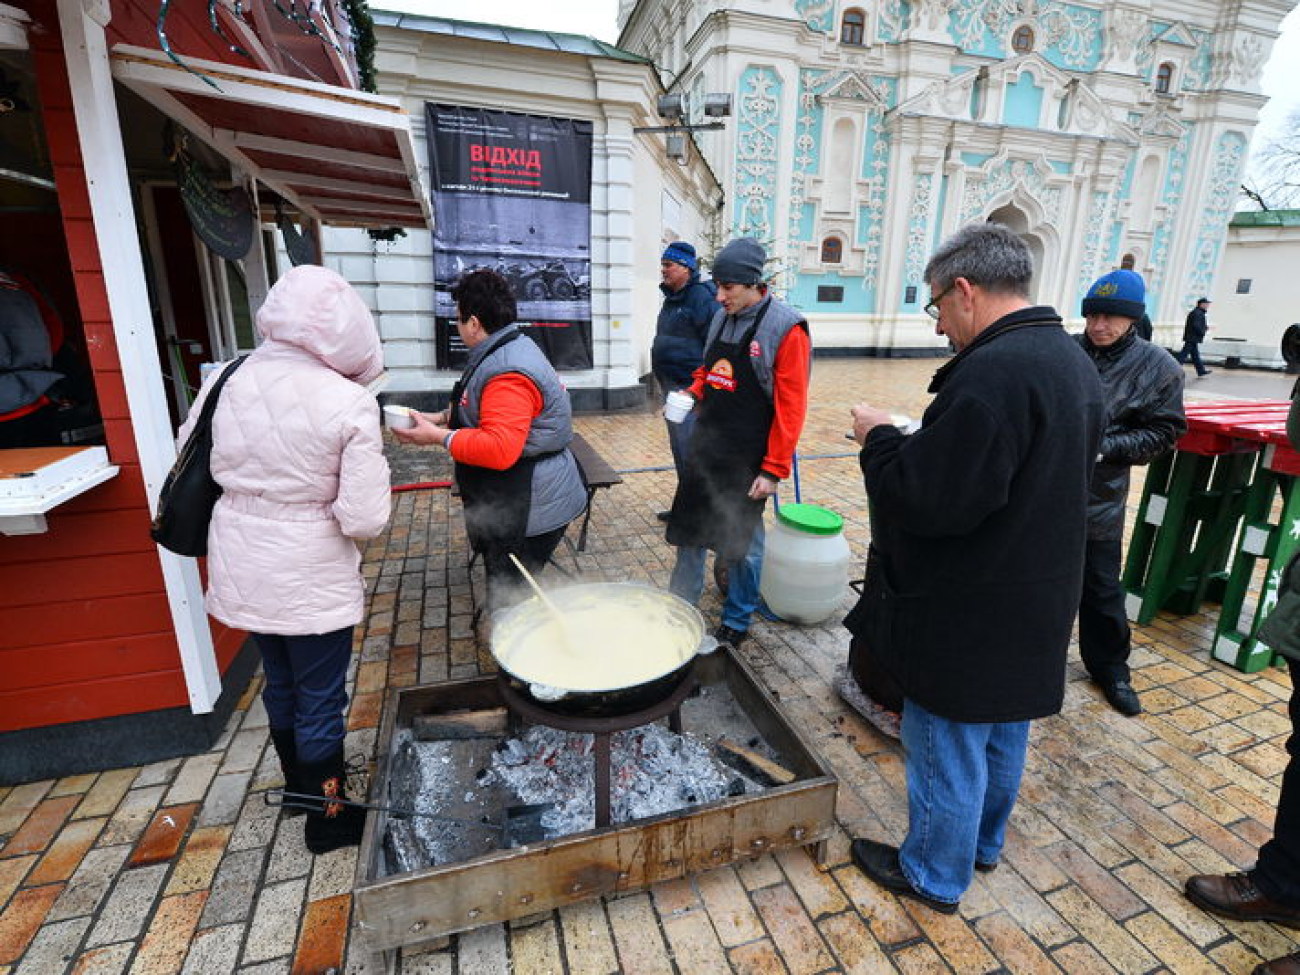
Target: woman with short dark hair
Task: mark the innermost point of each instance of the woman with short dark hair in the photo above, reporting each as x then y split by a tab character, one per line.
508	430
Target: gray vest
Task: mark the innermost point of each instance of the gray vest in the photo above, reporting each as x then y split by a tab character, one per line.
772	330
558	495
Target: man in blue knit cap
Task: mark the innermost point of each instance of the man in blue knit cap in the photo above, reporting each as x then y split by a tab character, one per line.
1143	390
678	348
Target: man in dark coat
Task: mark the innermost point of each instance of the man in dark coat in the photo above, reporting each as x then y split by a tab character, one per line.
1144	418
976	558
678	349
1194	330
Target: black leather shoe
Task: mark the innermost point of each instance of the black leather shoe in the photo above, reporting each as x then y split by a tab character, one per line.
1235	895
983	867
879	861
731	637
664	516
1286	965
1121	696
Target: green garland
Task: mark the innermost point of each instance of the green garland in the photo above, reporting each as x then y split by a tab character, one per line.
363	41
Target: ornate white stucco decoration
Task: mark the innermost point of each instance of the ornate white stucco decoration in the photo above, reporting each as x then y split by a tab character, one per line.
1003	177
1158	122
817	14
1088	115
1099	213
1229	158
931	14
918	225
1072	31
854	86
1246	61
1125	30
756	151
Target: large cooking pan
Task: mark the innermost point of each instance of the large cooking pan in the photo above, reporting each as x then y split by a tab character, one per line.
630	646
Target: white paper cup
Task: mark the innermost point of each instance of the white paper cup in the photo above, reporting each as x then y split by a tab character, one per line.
677	406
398	417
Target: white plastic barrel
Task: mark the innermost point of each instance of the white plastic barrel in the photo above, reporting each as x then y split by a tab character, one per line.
806	563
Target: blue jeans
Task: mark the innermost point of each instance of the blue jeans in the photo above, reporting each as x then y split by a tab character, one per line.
679	439
962	781
304	688
742	589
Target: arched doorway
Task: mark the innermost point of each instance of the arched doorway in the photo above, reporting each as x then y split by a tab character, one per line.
1016	220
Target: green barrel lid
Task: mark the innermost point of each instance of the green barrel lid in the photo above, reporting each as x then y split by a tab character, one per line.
810	518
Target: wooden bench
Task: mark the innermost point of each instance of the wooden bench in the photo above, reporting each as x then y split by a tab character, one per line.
596	475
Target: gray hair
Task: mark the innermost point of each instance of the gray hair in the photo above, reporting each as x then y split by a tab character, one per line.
985	254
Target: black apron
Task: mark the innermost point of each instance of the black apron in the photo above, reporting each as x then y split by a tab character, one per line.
497	503
712	507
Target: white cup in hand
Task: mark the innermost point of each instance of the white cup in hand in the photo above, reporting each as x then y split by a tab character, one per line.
677	406
398	417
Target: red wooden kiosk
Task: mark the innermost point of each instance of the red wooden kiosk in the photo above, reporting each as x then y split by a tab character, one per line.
106	655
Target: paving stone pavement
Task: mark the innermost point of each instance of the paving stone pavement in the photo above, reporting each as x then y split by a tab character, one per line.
182	867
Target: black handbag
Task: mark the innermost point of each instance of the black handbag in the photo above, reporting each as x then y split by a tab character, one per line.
189	493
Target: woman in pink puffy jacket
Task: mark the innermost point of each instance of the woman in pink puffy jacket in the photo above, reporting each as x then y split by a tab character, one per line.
296	448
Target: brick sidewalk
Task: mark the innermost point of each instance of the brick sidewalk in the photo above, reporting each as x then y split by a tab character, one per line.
182	867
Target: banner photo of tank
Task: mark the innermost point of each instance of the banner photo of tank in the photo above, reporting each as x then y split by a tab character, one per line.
513	193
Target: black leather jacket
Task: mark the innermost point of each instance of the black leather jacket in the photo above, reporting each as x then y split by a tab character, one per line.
1143	388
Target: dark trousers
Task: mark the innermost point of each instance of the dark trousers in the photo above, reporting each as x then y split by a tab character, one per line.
304	688
1103	623
504	581
1277	874
1192	350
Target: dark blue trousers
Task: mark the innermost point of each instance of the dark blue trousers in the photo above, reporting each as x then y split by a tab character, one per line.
304	691
1192	350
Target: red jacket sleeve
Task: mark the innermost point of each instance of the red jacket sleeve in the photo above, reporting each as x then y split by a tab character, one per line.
510	402
789	400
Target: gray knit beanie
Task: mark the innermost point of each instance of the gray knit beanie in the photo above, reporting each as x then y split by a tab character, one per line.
740	262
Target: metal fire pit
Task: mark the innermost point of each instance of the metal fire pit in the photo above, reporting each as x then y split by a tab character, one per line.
416	906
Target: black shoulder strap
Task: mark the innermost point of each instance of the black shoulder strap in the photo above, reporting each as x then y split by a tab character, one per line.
210	403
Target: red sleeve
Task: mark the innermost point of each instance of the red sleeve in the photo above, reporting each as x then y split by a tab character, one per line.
510	402
789	400
696	388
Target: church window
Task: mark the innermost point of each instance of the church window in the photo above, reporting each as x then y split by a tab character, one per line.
832	250
853	26
1022	41
1165	78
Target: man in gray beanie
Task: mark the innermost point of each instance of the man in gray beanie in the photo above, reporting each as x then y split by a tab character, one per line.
751	396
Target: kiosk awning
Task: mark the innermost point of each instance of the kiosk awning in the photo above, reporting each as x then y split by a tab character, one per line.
342	156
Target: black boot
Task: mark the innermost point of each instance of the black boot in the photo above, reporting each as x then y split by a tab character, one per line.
333	824
287	749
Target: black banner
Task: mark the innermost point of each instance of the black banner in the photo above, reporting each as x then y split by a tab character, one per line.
512	193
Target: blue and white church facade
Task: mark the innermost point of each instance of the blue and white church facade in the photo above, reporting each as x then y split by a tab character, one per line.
1106	133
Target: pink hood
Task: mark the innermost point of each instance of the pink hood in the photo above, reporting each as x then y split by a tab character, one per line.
316	310
296	448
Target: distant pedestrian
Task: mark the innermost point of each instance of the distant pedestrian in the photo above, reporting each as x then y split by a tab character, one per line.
678	349
1194	330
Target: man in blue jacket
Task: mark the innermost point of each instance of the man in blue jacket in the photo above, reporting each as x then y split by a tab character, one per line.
976	561
688	308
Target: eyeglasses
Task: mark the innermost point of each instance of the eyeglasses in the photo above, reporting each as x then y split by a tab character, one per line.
932	306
